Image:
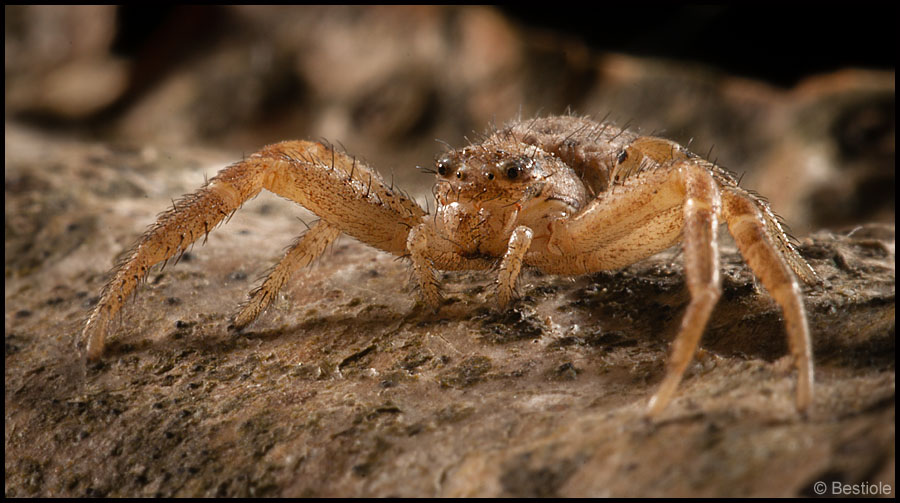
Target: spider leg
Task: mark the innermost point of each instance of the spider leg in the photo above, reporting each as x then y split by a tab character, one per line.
644	215
307	248
421	252
701	268
747	223
632	221
343	191
190	217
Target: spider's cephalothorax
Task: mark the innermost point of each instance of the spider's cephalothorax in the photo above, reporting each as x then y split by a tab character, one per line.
566	195
483	192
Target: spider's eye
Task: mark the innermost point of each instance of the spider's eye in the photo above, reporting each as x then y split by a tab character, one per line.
490	176
443	167
514	168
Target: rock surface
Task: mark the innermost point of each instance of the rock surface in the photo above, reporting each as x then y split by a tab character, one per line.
348	387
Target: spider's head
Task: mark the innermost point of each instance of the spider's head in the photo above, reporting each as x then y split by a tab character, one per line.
484	174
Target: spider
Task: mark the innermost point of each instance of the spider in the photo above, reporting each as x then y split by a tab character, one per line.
566	195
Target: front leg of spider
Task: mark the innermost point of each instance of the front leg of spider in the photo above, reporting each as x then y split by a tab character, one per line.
349	197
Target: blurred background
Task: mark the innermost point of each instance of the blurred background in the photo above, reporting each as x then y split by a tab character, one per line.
111	112
800	101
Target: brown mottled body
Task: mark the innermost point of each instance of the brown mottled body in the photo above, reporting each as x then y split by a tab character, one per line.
566	195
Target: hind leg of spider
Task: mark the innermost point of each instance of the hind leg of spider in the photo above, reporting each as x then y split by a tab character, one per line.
307	248
701	266
747	224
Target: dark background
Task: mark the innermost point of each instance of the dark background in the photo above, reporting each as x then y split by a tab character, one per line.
776	43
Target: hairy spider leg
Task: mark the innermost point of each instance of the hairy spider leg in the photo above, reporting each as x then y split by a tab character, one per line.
345	193
303	252
747	223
